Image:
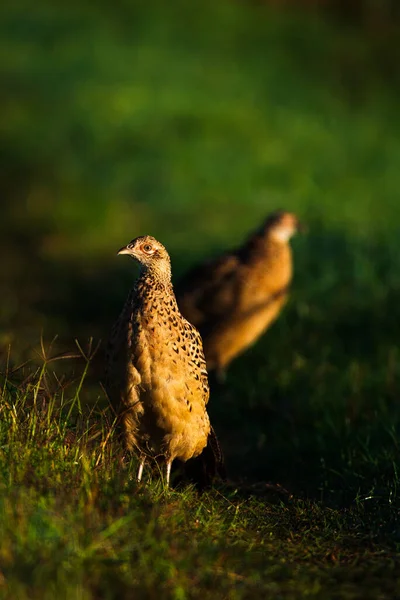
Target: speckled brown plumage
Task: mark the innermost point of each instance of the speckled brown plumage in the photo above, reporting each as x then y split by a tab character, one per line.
234	298
156	376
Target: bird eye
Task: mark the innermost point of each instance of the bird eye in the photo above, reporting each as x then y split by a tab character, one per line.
147	248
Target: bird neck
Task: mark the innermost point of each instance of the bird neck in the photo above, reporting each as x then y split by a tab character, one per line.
261	245
156	277
281	236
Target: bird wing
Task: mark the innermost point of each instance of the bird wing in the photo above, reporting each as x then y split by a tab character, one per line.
197	361
210	290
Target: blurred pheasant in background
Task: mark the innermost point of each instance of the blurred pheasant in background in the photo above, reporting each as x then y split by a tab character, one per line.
156	376
234	298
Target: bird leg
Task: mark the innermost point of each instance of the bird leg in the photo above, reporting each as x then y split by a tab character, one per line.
140	470
168	475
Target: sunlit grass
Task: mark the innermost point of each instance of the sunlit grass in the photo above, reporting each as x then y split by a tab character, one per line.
74	521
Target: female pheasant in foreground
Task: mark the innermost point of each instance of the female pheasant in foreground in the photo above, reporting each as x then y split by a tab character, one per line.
234	298
157	378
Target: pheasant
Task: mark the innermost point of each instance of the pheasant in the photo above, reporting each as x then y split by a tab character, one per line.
234	298
156	376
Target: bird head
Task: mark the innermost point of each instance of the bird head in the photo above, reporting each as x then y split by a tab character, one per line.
149	253
282	225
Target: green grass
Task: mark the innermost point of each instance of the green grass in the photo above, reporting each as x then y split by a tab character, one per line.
191	122
74	524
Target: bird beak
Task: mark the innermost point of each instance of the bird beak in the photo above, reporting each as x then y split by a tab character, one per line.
124	250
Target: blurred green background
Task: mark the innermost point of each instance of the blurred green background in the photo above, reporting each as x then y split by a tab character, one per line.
191	121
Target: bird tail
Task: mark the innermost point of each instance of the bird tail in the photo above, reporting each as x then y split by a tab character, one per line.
210	464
